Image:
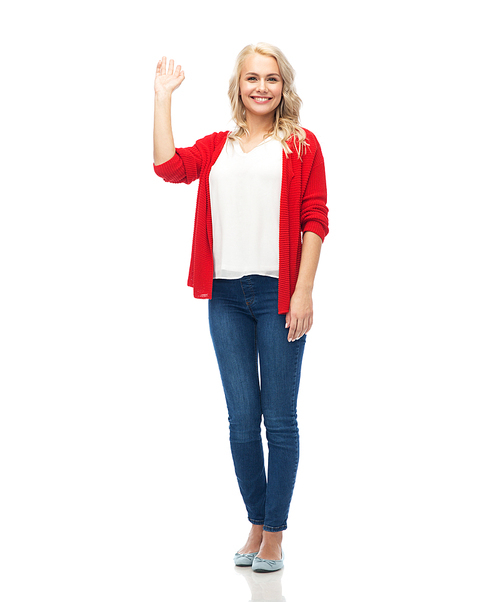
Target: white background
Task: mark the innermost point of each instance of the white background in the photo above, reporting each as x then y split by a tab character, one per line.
116	476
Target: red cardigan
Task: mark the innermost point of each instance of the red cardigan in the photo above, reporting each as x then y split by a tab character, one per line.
302	209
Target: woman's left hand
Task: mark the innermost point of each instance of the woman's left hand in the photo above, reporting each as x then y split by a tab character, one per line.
299	318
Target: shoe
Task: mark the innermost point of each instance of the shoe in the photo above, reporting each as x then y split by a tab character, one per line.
259	565
244	559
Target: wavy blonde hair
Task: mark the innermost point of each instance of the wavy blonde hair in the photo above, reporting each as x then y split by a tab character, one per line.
286	117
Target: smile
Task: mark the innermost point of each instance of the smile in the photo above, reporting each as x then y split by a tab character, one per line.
261	98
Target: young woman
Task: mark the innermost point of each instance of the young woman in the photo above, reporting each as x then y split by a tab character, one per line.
261	217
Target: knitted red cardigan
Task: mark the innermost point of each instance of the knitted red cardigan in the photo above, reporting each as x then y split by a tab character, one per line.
302	209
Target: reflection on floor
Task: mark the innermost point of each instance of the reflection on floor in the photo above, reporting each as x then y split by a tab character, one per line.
263	586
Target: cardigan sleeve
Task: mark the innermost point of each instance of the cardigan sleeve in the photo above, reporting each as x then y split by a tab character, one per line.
314	211
185	166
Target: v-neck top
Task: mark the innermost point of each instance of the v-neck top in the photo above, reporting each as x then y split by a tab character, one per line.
245	191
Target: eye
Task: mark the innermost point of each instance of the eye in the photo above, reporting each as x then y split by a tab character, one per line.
273	79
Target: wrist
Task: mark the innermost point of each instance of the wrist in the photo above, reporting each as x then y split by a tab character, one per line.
163	96
305	288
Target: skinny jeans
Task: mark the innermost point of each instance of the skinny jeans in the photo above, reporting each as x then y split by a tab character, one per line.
260	372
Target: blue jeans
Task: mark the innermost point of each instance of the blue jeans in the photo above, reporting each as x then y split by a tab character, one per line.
260	373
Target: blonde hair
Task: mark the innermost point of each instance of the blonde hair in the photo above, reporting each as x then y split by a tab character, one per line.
286	117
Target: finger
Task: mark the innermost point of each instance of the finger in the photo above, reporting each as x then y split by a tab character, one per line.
299	331
294	329
302	329
170	67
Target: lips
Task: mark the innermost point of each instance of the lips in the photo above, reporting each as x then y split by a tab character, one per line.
261	99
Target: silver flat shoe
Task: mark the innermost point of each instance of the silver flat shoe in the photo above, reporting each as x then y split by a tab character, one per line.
244	559
260	565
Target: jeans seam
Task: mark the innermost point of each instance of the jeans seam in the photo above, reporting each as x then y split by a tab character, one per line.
248	303
275	529
256	355
295	404
256	521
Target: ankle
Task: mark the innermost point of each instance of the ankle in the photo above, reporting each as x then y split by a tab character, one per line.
273	535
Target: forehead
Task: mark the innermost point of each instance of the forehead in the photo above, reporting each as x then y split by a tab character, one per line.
258	63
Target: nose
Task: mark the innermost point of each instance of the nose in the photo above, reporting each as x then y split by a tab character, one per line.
262	86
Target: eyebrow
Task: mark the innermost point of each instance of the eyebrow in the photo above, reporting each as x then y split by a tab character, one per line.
268	75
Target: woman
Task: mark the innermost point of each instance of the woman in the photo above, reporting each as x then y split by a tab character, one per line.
260	221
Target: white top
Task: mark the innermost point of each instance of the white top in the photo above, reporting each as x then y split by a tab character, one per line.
245	190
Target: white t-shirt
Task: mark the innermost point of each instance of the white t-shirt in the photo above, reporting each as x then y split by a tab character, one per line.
245	190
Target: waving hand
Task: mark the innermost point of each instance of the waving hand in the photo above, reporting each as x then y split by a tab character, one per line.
167	80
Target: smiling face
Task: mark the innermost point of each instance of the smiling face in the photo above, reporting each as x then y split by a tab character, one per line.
261	85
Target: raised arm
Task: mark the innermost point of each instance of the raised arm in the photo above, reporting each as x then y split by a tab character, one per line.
166	81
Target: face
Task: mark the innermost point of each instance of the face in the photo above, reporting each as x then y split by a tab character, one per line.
261	84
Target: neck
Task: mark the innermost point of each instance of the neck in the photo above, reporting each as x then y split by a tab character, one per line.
259	126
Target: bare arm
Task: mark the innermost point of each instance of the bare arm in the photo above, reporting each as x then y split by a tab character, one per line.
166	81
299	318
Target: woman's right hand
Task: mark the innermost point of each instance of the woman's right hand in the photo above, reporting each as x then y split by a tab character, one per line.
167	80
